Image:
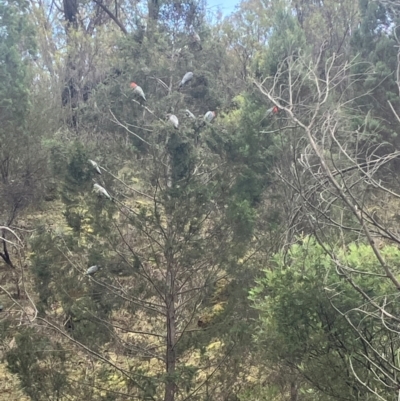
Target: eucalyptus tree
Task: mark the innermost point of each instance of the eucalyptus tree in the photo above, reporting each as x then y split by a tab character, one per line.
22	159
344	189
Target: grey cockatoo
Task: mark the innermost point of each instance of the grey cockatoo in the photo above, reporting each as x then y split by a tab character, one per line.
96	166
101	191
190	114
186	78
173	119
92	270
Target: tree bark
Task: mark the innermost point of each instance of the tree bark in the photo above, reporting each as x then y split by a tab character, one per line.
154	10
112	16
5	255
171	336
171	354
71	12
293	391
170	385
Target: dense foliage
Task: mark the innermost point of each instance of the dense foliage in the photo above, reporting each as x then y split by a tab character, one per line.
232	237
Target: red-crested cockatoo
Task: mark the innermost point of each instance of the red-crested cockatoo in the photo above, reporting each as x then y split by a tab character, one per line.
137	90
273	110
209	116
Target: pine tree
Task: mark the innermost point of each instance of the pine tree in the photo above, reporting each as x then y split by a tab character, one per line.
181	217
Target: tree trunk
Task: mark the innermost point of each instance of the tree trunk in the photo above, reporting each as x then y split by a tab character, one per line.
170	385
154	10
293	391
70	92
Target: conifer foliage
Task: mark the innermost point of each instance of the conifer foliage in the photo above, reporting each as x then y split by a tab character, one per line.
159	164
165	222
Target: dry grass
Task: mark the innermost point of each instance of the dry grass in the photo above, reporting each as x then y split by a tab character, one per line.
10	389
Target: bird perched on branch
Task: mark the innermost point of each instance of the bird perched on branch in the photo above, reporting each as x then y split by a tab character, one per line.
173	119
101	191
96	166
196	39
209	116
186	78
273	110
137	90
190	114
92	270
